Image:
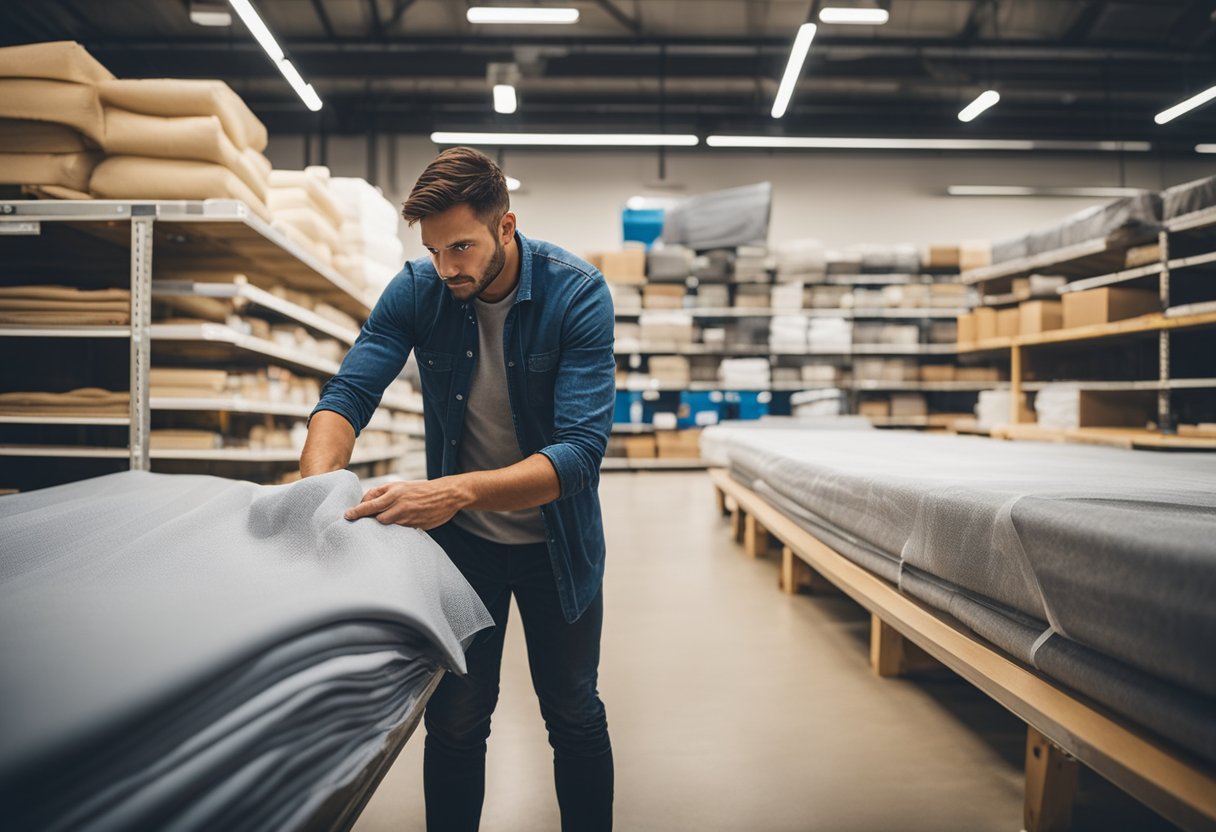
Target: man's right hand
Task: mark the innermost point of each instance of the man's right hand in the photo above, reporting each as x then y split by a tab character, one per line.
330	443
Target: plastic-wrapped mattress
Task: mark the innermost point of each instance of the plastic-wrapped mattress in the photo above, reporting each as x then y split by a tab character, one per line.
1094	564
1188	197
189	652
1127	221
722	219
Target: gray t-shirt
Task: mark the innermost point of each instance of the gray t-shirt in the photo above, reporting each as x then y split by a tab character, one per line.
489	440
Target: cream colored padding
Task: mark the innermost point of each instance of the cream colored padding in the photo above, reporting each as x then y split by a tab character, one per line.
319	251
317	187
25	136
311	223
137	177
53	192
259	161
62	60
194	138
57	102
67	170
176	97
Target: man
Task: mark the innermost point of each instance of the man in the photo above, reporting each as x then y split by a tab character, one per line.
514	342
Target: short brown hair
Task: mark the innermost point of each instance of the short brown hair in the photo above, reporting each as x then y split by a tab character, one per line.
459	175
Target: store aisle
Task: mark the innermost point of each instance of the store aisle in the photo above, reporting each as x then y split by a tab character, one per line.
733	707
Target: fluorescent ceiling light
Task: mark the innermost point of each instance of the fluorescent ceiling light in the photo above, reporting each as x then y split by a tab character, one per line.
210	13
793	69
529	14
855	17
568	139
1205	148
504	98
513	184
1197	100
982	102
832	143
1019	190
262	35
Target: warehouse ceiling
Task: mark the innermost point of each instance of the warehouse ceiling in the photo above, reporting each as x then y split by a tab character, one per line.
1065	69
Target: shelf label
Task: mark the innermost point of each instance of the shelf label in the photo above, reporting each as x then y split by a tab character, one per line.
32	228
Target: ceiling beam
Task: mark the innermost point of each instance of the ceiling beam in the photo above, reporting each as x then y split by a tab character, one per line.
373	7
980	9
318	6
1080	27
400	7
619	16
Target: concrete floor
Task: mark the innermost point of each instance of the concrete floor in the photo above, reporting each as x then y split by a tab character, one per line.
735	707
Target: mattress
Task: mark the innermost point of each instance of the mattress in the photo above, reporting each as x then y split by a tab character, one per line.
198	653
64	170
723	219
1188	197
137	177
56	102
63	60
1127	221
24	136
176	97
1101	557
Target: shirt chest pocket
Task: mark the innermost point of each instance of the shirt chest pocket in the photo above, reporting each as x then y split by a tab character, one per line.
542	373
435	369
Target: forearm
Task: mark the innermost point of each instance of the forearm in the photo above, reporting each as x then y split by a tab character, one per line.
329	445
527	484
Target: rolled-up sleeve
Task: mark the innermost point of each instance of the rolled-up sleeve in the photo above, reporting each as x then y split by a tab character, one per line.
377	356
584	391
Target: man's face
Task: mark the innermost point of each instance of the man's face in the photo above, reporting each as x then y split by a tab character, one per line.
466	253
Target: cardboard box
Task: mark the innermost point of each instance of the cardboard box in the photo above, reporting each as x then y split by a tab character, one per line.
977	374
624	266
974	254
1110	303
640	447
1020	287
662	296
1143	255
908	404
941	257
679	444
985	323
1040	316
1008	321
966	329
937	372
874	408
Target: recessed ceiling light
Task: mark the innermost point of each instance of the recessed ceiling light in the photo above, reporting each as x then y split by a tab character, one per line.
567	139
982	102
504	98
854	17
520	14
513	184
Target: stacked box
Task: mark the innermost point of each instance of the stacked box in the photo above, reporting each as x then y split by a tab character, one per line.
788	296
670	370
678	444
1110	303
623	266
1037	316
666	328
713	296
753	297
662	296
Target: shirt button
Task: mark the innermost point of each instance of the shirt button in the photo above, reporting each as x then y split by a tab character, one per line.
469	353
510	363
459	397
429	361
453	441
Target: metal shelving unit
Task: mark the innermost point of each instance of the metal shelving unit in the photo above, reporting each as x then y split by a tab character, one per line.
893	313
213	235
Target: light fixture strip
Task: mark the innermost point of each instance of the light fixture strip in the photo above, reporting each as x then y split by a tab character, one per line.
1205	148
567	139
981	103
1097	191
834	143
261	33
520	14
793	69
504	99
1183	107
853	16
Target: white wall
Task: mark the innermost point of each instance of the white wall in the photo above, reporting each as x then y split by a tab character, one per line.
574	198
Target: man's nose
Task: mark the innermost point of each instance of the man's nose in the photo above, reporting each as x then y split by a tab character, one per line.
447	267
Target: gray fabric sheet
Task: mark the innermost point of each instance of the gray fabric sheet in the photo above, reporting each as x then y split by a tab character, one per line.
722	219
184	642
1112	549
1188	197
1126	221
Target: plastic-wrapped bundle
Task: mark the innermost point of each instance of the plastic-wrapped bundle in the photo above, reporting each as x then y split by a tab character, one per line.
788	332
1188	197
829	402
722	219
669	264
800	257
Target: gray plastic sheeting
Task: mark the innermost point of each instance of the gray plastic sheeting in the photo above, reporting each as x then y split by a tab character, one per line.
191	652
722	219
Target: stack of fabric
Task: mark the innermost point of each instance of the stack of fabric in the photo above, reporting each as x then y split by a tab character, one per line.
176	139
830	335
799	259
238	663
745	373
51	119
372	253
64	306
85	401
307	213
788	333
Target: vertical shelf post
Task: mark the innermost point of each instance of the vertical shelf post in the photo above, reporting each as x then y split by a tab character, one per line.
142	218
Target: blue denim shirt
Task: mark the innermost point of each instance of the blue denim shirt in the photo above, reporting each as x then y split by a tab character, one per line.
561	379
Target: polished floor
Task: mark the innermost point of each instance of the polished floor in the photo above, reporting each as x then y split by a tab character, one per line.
734	707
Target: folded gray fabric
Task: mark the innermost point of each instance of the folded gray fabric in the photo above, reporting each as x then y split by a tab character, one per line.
172	644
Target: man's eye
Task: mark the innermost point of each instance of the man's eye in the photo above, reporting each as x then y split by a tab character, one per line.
461	247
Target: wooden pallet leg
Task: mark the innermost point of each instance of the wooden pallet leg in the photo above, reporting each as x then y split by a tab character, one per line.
891	654
1051	783
720	499
797	575
737	521
755	537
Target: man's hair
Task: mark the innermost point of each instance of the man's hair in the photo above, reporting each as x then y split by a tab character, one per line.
459	175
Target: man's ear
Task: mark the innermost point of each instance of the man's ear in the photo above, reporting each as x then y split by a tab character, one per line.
506	227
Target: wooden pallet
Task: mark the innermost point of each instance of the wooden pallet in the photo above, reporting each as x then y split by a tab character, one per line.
1062	727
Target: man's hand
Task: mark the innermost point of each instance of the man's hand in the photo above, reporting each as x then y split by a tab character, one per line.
419	504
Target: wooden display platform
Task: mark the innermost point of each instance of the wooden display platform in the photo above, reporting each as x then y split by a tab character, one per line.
1061	724
1129	438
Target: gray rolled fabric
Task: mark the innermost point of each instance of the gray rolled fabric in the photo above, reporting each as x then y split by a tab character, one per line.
1105	554
189	652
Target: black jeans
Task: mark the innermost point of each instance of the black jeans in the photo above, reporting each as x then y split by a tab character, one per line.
564	661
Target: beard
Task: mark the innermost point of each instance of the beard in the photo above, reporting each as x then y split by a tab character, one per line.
492	271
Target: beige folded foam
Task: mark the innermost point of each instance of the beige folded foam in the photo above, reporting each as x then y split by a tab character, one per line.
176	97
193	138
80	402
322	199
180	440
136	177
69	293
62	60
57	102
260	163
67	170
24	136
53	192
311	223
197	306
90	318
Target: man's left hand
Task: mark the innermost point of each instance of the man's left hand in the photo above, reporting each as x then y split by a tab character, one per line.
419	504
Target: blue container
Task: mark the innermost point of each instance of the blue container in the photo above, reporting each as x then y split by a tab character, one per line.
642	225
